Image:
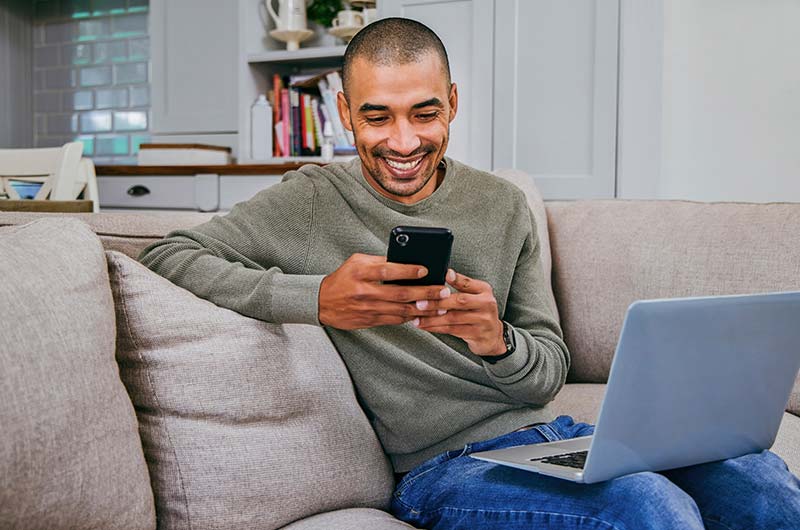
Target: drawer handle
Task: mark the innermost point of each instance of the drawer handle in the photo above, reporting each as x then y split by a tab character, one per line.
138	191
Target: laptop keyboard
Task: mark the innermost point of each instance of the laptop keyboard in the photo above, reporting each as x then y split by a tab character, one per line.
576	460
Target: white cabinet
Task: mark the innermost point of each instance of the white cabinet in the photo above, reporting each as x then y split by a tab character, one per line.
537	84
194	73
555	94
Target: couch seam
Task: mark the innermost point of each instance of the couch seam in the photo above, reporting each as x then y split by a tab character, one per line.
123	298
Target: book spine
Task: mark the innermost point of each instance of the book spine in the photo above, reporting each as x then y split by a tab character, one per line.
339	138
308	120
303	124
316	115
287	122
297	134
277	84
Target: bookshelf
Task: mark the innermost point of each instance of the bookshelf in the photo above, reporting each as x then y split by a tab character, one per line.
332	54
261	57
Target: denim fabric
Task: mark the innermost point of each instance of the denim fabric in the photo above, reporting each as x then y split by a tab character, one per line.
454	491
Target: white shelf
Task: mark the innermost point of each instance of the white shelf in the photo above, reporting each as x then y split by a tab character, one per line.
303	54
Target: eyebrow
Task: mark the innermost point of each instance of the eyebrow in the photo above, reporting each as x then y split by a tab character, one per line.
370	107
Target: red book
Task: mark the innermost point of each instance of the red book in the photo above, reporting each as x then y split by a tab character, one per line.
303	123
277	85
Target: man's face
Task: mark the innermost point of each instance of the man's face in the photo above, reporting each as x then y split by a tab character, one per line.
400	117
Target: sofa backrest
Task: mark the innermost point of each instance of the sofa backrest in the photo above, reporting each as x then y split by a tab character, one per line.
610	253
128	233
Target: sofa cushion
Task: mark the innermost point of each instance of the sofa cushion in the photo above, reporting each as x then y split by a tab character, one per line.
607	254
244	424
349	520
70	454
582	402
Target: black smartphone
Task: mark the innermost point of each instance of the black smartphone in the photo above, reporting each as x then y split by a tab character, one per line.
420	245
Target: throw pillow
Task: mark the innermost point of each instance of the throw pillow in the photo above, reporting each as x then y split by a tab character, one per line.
245	424
70	454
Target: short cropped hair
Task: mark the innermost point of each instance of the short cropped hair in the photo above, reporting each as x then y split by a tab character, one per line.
391	41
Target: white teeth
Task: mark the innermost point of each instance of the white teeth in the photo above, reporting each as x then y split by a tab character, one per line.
403	166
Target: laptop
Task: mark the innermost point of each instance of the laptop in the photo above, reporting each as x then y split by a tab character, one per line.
693	380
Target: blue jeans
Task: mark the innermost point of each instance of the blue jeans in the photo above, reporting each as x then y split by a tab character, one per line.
452	491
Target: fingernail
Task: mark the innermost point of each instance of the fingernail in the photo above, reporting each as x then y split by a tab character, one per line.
415	322
421	273
451	275
444	293
422	304
441	311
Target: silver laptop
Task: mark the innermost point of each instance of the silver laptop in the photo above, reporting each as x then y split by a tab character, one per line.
693	380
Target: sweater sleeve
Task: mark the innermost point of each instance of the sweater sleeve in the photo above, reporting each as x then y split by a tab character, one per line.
251	260
537	369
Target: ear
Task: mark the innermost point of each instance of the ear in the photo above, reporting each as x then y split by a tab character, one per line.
453	100
344	111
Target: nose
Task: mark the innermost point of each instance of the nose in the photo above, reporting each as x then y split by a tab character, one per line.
403	138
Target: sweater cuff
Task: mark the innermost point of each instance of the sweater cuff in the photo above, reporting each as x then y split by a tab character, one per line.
513	363
295	299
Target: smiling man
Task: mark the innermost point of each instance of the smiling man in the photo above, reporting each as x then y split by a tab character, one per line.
442	371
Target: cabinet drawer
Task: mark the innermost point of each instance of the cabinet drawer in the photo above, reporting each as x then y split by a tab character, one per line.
176	192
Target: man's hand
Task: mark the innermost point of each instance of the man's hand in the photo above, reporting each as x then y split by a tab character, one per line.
354	297
471	315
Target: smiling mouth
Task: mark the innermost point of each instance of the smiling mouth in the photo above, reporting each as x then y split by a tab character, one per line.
404	166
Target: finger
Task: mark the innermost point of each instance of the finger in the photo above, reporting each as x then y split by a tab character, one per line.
461	331
450	319
465	283
385	271
409	310
455	302
410	293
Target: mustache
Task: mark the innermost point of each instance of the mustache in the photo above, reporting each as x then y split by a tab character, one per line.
381	151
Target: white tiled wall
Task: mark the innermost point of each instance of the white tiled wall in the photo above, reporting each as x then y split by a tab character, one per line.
90	76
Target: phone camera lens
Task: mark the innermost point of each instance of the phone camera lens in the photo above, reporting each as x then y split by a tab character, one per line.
402	239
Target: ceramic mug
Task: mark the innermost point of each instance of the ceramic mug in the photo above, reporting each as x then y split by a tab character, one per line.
348	18
370	15
291	14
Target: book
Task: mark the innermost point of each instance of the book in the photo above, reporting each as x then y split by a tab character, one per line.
339	137
183	155
316	116
286	118
308	122
297	139
281	147
277	85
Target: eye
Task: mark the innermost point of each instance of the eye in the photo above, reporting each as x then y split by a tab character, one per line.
376	120
427	116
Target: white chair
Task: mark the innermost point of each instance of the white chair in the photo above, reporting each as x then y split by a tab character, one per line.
61	170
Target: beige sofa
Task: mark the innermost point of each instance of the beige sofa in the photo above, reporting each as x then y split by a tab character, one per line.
123	396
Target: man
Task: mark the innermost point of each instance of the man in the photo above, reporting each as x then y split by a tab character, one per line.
440	368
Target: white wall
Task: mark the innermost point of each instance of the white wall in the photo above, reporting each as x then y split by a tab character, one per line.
726	123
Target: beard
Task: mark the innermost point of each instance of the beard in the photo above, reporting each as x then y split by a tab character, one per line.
372	161
403	188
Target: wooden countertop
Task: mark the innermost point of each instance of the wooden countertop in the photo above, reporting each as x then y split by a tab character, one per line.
230	169
28	205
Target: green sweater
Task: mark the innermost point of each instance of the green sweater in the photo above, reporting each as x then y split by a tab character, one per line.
424	393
